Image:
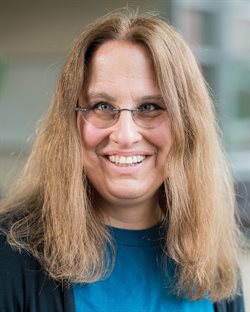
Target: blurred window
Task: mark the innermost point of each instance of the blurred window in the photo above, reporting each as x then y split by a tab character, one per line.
219	35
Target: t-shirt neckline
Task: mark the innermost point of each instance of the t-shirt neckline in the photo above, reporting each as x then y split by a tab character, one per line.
145	237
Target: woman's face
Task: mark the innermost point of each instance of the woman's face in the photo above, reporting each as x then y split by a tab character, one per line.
121	74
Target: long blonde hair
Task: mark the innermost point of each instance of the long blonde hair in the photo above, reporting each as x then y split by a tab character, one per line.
50	212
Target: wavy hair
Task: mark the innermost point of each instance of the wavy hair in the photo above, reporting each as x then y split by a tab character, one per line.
51	210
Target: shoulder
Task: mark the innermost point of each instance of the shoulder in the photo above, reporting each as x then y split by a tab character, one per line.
25	285
14	266
234	305
12	261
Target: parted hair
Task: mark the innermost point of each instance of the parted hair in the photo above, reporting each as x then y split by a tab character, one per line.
50	212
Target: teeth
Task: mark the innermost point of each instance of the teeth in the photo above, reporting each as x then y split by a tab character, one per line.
126	160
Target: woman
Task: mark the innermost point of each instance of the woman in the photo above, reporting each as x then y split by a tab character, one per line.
126	203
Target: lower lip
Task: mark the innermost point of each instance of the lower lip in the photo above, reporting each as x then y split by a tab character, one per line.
126	169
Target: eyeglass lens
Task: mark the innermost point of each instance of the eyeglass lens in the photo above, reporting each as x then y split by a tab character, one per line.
145	119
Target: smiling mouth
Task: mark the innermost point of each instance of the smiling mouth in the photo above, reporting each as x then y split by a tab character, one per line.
126	161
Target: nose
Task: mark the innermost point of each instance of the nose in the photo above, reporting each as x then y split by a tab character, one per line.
125	132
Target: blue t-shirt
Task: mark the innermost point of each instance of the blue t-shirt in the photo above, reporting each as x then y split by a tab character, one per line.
140	280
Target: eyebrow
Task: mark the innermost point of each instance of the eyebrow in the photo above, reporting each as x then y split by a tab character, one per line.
95	95
103	95
156	97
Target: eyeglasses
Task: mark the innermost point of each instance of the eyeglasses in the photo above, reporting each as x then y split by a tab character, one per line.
104	115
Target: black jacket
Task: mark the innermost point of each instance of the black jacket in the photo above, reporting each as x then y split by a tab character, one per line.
25	287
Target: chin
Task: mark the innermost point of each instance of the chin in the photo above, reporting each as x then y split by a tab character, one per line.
129	195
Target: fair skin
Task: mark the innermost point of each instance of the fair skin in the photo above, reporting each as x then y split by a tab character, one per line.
122	74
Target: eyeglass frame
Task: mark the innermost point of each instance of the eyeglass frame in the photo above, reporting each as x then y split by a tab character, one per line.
117	111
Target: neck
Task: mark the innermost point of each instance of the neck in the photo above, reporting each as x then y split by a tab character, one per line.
131	216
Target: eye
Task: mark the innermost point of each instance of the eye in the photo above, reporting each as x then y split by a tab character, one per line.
103	107
149	107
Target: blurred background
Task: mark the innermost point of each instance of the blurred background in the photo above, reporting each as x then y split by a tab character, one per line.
35	37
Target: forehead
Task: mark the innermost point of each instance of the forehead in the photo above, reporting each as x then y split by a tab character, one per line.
116	48
121	62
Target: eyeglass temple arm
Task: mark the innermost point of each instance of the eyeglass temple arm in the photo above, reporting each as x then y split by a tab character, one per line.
80	109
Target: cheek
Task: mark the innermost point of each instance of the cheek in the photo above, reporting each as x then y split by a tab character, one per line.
91	137
161	137
91	142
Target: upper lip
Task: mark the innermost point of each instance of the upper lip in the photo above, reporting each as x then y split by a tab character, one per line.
127	153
